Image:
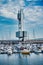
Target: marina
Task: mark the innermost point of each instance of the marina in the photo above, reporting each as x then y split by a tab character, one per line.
21	32
20	48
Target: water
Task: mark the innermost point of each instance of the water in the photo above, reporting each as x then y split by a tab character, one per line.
19	59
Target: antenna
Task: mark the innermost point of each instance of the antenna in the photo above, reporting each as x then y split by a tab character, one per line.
33	34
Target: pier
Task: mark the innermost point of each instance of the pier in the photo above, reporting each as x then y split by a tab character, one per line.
17	42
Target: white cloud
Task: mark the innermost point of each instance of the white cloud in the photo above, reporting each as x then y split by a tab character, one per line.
31	14
34	13
8	14
21	3
11	8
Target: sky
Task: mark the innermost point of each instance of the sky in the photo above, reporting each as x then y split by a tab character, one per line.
32	21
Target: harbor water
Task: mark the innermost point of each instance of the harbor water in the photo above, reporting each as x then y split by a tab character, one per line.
20	59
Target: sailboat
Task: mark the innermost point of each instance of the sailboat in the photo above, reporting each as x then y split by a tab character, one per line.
25	51
42	49
36	50
9	51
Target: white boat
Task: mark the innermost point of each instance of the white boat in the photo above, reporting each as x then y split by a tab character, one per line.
1	48
14	50
37	51
31	48
1	51
9	51
25	51
5	51
19	45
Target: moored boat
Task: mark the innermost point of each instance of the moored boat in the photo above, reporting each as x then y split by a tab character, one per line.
37	51
42	50
9	51
25	51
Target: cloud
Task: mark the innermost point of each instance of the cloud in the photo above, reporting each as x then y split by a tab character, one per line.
9	12
34	13
21	3
10	9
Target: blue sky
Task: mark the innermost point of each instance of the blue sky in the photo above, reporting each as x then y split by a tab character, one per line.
33	18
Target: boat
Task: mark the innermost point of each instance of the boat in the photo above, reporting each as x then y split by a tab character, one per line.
1	52
37	51
14	50
9	51
42	49
25	51
31	49
5	51
1	48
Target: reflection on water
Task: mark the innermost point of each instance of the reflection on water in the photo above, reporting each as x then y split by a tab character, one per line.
19	59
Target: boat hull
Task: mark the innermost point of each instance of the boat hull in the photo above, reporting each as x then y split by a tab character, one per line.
42	51
25	52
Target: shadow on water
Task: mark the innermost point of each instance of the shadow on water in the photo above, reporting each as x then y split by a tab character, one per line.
36	53
21	59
